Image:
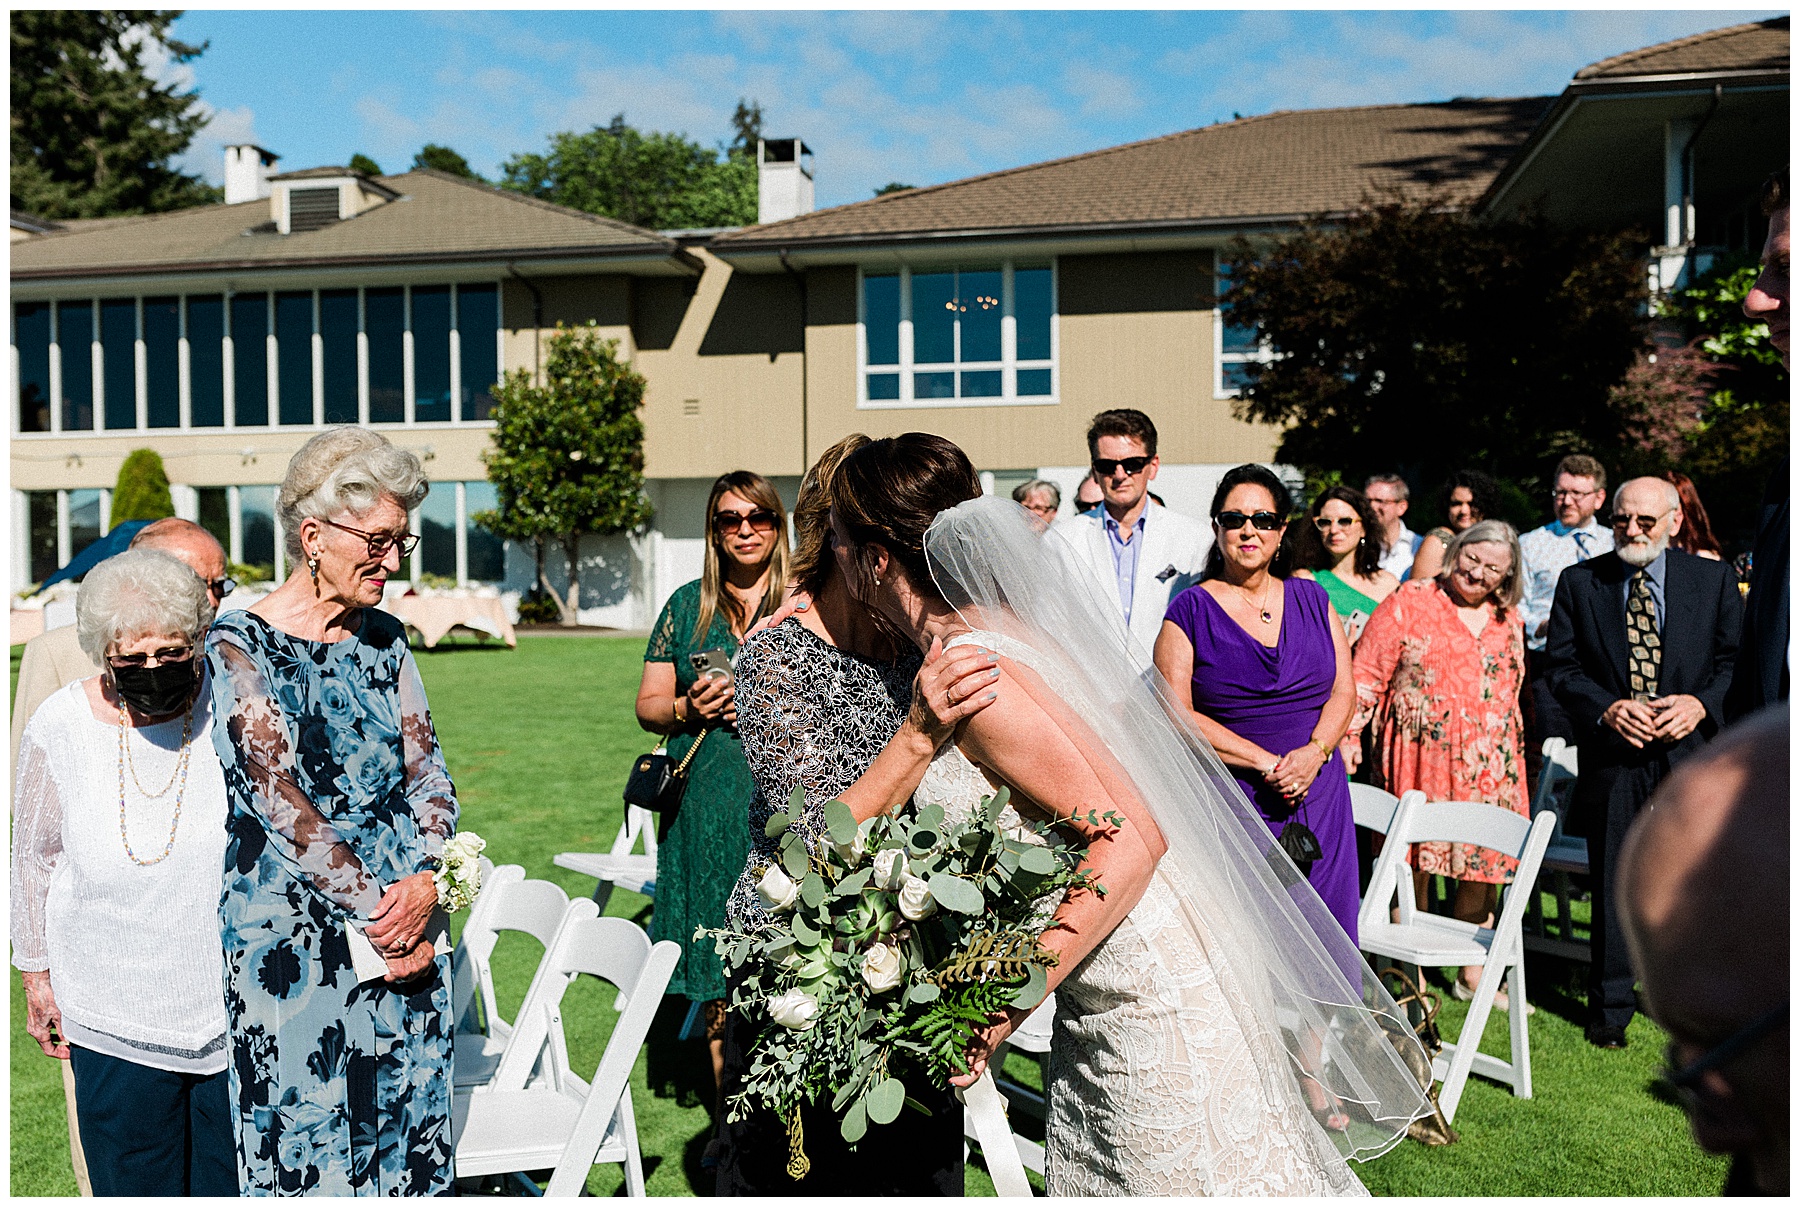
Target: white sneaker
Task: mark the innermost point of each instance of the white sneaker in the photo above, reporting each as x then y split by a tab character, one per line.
1463	993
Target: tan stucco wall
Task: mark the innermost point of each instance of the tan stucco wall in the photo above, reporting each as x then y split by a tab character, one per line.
571	301
1133	331
236	458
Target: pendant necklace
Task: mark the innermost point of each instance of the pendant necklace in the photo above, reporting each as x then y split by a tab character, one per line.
177	781
1263	607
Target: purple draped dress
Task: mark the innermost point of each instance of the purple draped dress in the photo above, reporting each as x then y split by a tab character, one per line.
1273	697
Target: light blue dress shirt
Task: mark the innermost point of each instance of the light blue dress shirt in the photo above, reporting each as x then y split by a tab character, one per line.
1547	552
1125	557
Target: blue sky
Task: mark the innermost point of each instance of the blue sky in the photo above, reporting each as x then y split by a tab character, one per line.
919	97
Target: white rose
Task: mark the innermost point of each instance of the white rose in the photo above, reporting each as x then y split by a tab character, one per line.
852	853
915	899
776	890
881	967
890	868
794	1010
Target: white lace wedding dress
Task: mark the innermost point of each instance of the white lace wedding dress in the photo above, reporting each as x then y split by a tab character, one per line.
1163	1079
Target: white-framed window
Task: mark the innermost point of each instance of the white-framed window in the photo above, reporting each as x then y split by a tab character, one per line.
1235	347
402	355
982	333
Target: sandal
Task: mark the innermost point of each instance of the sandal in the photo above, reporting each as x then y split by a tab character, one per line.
1325	1107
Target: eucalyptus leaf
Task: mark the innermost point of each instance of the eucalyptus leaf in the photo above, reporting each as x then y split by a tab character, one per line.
931	817
1033	991
996	805
794	860
885	1100
812	890
803	931
923	992
840	822
856	1122
1039	860
922	840
956	894
854	883
776	825
797	801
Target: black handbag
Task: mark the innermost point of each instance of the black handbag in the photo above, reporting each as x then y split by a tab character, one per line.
657	781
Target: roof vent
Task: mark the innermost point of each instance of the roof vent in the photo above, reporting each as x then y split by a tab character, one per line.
247	171
784	179
310	209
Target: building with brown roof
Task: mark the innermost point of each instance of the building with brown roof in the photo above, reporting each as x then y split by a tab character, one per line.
1001	311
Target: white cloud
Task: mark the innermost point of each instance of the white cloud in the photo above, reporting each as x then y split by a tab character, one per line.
205	156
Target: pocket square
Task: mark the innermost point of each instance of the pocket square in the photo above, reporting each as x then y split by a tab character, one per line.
1166	573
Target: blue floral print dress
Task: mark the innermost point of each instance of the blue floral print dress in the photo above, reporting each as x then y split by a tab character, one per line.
337	790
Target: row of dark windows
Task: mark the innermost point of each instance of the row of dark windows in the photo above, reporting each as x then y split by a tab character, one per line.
472	311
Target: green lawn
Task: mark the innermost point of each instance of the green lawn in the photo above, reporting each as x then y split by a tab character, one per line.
538	740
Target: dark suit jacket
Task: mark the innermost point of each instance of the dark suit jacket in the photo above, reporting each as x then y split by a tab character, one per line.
1586	654
1761	675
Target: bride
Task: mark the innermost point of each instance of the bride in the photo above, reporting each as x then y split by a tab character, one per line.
1216	1033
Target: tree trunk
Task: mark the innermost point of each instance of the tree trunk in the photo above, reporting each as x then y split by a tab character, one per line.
564	612
571	552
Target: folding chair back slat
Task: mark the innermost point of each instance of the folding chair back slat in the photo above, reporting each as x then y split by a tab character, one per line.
476	944
1373	807
1485	825
532	1030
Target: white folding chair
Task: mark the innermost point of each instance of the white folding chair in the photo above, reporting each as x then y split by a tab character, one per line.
1438	942
620	866
570	1126
533	907
1374	807
1566	856
1033	1036
474	946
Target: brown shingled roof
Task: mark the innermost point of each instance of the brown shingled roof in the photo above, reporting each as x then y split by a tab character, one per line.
439	217
1278	165
1761	46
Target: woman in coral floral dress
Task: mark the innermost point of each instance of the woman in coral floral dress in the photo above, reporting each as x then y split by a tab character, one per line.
1438	671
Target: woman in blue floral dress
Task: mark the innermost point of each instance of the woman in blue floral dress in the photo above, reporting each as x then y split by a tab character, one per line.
340	807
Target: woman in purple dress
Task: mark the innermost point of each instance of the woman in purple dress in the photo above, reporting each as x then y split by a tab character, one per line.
1263	666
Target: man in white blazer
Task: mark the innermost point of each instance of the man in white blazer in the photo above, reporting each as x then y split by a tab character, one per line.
1141	553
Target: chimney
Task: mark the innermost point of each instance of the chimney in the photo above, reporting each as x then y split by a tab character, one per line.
784	179
247	171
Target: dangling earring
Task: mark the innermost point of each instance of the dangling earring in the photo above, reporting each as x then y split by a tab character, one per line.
312	565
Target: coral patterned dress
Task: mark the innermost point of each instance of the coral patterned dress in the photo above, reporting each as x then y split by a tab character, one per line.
1445	704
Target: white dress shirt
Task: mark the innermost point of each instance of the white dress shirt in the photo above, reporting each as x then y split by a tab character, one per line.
1548	551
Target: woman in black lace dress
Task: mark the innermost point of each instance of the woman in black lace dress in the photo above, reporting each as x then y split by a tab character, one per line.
829	702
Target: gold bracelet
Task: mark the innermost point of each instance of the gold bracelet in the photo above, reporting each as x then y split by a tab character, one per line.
679	719
1323	749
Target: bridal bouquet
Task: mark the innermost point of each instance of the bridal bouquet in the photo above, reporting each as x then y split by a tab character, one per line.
458	875
889	946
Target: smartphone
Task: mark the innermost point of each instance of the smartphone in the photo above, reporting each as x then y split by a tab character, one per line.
710	664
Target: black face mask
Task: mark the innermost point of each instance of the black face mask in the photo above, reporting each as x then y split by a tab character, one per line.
156	690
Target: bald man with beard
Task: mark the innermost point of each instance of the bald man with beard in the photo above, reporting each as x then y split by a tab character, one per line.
1703	887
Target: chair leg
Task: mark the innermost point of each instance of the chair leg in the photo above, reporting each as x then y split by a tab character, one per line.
1468	1042
1521	1043
602	894
634	1158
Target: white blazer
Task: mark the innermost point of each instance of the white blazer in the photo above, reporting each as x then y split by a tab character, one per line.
1172	559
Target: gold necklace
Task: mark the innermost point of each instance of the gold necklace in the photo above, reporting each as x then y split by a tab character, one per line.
180	774
1261	608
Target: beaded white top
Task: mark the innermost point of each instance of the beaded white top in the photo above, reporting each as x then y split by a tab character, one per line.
133	950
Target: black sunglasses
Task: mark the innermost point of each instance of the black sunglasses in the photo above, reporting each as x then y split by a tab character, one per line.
1105	467
727	522
1231	521
222	586
173	653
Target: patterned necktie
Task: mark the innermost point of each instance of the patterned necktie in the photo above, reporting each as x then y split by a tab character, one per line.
1641	639
1581	549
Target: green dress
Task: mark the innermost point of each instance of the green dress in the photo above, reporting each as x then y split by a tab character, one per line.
702	850
1345	599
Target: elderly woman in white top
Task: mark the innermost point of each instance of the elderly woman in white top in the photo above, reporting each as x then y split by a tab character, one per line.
118	844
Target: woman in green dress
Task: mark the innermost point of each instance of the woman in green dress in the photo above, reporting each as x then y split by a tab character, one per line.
1343	556
703	846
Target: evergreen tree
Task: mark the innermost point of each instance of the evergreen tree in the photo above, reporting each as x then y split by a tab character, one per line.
92	133
568	456
142	491
444	160
747	121
362	163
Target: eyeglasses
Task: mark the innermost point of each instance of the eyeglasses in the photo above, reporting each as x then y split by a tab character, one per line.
1475	568
1685	1079
222	586
1560	495
727	522
381	542
1106	467
1231	521
173	653
1343	521
1643	523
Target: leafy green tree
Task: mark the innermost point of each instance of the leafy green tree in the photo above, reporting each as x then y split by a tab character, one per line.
142	491
747	122
660	181
1410	336
568	455
894	186
362	163
444	160
92	133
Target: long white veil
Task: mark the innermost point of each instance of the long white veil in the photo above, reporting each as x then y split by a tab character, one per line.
1243	901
